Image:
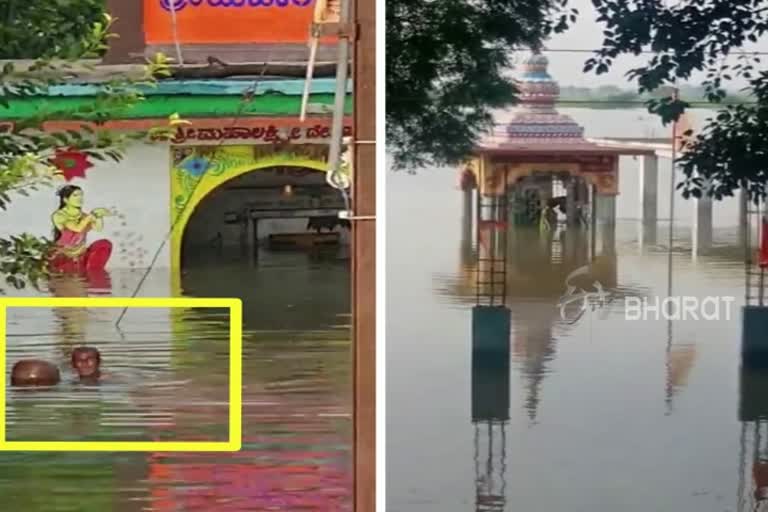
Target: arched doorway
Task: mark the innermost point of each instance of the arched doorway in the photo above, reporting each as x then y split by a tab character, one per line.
199	172
282	209
241	207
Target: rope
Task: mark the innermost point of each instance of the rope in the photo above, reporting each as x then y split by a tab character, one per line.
247	96
175	30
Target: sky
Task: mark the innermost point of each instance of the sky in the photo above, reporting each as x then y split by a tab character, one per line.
587	34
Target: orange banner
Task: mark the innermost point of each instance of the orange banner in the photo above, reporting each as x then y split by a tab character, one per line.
228	21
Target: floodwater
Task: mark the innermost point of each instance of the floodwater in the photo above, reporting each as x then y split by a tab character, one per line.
166	378
592	412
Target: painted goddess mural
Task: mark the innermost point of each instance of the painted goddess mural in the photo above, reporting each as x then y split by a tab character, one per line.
70	229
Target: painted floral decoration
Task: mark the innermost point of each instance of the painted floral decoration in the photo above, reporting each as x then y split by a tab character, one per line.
196	166
71	163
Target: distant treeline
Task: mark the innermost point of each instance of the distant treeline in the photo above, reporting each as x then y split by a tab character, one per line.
611	96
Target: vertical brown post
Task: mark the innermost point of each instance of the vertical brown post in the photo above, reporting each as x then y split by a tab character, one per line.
364	254
129	25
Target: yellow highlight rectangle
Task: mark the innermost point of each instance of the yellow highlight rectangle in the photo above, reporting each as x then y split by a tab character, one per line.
233	444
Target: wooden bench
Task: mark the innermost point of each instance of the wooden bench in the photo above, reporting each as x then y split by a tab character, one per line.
302	240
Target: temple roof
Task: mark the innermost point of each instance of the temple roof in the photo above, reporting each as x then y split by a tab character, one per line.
536	125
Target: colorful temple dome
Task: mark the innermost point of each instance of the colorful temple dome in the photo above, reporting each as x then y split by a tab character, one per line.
536	85
536	124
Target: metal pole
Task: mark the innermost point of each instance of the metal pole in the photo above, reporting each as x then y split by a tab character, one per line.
313	44
672	204
593	223
337	124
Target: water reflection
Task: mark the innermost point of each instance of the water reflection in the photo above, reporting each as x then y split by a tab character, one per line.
540	271
595	413
630	415
169	382
680	361
490	416
753	442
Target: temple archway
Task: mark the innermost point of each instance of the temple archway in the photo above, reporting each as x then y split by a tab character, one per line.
202	175
264	212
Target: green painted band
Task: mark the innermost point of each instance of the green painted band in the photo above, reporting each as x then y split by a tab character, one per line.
66	108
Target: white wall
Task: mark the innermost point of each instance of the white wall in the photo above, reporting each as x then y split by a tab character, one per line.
138	187
726	212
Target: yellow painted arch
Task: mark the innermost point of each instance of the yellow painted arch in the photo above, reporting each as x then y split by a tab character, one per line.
207	184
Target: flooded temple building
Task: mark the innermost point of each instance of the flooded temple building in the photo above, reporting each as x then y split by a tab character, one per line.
236	203
242	175
540	154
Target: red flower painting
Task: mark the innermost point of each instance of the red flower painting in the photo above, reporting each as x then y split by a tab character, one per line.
71	163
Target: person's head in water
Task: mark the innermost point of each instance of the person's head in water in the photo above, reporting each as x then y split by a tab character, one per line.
34	372
86	362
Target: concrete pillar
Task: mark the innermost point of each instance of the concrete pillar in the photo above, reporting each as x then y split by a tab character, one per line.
649	188
743	216
491	329
606	209
253	237
245	239
702	224
647	235
754	341
753	388
491	384
467	214
606	217
608	239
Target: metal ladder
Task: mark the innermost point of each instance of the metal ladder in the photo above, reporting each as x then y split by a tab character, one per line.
493	224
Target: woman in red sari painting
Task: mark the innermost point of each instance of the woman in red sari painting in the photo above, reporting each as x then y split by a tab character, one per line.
70	228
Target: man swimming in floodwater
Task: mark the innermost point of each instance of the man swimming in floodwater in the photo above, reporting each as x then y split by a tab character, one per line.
33	372
86	362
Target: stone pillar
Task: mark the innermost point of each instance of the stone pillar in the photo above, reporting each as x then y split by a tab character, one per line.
649	189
